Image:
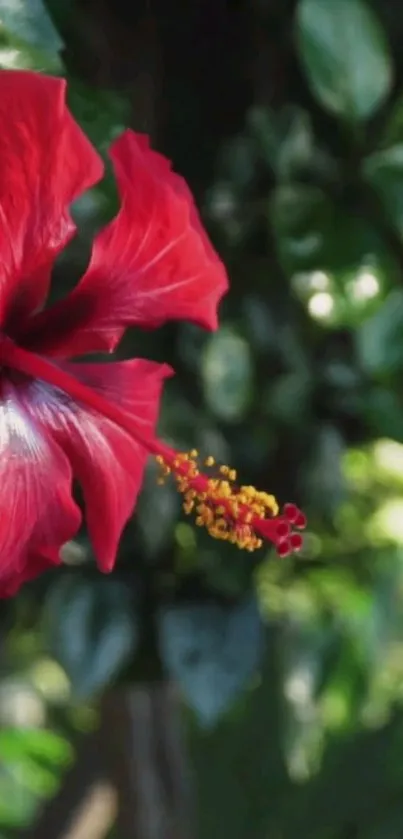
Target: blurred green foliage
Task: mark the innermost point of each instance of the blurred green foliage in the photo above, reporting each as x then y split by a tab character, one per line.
287	119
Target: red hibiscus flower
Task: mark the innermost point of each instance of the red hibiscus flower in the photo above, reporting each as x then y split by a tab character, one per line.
61	419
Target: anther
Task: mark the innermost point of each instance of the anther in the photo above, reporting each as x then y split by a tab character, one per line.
238	514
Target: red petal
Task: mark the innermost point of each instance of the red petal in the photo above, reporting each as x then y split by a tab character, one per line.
152	263
108	463
35	565
37	513
46	162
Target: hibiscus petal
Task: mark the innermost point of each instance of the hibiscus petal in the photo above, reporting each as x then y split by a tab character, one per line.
152	263
108	463
34	565
46	162
37	512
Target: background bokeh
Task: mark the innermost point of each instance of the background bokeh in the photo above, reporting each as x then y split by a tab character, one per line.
199	692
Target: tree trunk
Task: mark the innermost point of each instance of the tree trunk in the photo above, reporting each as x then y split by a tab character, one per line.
132	770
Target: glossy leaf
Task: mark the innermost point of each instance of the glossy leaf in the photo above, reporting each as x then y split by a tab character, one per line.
211	651
324	483
384	171
91	630
227	374
29	23
308	227
38	744
345	56
380	338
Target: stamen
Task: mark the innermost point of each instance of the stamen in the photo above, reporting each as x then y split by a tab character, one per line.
241	515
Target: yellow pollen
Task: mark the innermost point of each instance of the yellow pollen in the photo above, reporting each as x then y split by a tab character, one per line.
226	510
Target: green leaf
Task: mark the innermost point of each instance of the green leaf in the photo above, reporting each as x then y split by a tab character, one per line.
17	802
383	411
285	393
392	130
345	55
380	338
227	374
31	761
309	228
29	24
40	744
286	143
163	507
285	140
236	162
324	482
384	171
263	125
91	629
211	651
102	114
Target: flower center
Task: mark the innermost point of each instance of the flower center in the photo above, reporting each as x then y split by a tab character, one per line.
242	515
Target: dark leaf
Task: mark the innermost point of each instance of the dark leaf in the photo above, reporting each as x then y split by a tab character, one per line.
211	651
345	55
91	629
